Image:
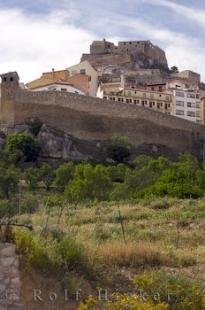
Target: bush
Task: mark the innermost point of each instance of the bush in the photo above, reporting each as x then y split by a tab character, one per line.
29	204
63	175
70	252
161	204
31	248
185	294
89	184
32	178
21	146
35	125
118	149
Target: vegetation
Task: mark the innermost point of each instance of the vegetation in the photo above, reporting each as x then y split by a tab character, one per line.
103	225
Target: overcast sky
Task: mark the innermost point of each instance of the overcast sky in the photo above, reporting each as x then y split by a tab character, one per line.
43	34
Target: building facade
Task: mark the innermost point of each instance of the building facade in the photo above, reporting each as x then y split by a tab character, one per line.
187	105
141	97
85	68
60	86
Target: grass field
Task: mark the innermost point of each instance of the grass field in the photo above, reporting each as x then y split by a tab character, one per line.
116	242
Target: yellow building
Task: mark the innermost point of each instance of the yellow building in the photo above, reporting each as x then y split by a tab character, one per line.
158	101
49	77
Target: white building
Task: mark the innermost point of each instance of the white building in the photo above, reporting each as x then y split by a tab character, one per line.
187	105
85	68
60	86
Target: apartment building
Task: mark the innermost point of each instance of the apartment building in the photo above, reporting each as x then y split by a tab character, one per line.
187	105
158	101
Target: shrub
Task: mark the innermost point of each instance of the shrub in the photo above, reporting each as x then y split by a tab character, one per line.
185	294
32	178
35	125
89	184
4	208
31	248
29	204
70	252
63	175
9	178
21	146
160	204
118	148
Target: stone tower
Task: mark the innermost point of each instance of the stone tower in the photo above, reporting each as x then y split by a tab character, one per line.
9	87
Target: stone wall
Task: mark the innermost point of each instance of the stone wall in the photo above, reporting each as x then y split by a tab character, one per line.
94	119
10	283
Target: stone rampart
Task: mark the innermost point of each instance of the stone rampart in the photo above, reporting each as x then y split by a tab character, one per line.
94	119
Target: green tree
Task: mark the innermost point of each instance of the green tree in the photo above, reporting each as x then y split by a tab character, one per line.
180	179
63	175
118	148
21	146
89	183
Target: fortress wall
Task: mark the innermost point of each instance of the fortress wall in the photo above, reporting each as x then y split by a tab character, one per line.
99	107
92	119
95	119
87	126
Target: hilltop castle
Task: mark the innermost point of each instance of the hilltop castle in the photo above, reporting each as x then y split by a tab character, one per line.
131	54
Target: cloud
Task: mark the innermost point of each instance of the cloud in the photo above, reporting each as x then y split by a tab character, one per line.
33	44
190	13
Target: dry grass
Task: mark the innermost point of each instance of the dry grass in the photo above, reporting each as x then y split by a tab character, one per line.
132	254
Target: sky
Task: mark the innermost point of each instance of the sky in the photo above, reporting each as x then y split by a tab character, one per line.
39	35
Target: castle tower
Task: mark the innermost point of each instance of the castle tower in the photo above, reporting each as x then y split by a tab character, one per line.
9	87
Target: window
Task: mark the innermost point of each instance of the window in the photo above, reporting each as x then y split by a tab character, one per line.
160	88
144	95
82	71
191	113
4	79
152	88
51	88
63	89
11	79
198	105
191	105
179	94
180	103
179	112
191	96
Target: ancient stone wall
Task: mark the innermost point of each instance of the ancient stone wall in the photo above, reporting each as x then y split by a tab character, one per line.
95	119
10	283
